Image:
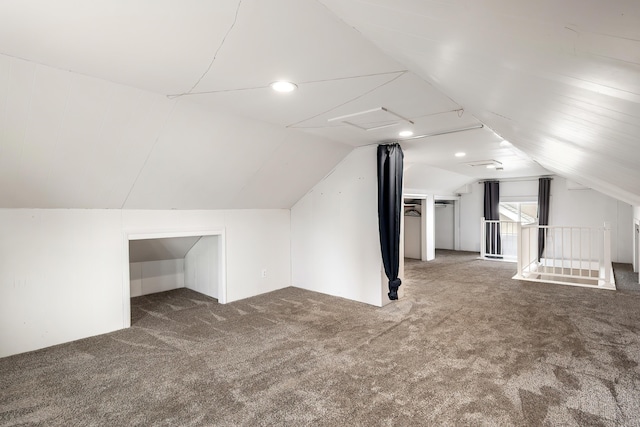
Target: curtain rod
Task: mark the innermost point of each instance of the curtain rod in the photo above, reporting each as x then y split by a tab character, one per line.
444	132
525	178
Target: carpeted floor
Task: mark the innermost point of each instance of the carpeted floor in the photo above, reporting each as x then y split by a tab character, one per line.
466	346
626	279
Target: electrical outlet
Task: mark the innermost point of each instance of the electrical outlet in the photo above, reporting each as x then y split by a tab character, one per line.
264	273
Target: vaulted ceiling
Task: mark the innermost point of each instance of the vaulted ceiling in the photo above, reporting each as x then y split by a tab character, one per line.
161	104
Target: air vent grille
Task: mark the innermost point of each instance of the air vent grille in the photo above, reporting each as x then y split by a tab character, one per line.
484	163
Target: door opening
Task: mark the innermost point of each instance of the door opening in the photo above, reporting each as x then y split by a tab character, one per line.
413	229
445	225
422	225
636	248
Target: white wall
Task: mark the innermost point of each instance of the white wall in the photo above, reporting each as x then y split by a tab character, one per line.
591	208
61	276
255	240
334	233
471	210
150	277
583	207
412	237
201	270
64	272
636	243
444	227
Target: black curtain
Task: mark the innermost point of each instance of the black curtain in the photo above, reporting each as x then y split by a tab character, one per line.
390	160
491	213
544	191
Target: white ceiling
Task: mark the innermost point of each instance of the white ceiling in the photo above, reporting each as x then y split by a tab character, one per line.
162	104
161	249
560	80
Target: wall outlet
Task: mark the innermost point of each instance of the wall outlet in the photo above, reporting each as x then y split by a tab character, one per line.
264	273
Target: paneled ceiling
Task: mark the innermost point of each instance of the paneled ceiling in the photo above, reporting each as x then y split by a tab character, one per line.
559	80
162	104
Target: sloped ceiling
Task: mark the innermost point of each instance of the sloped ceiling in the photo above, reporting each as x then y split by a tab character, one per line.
71	141
159	104
161	249
559	80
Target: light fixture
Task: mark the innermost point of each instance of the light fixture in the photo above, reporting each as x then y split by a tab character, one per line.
491	166
460	154
283	86
405	133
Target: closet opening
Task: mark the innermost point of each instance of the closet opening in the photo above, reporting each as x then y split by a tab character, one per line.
636	247
445	220
413	229
430	223
167	261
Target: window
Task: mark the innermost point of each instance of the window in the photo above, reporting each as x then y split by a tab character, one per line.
524	212
510	214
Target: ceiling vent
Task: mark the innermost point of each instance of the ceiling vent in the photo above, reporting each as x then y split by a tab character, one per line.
491	163
376	118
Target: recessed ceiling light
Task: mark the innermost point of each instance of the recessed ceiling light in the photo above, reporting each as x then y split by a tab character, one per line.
282	86
461	154
505	143
491	166
406	133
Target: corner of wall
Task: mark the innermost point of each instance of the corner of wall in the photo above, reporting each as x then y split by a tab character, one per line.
334	232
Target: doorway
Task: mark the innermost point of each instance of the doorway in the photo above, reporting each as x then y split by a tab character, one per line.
413	228
636	247
425	227
445	224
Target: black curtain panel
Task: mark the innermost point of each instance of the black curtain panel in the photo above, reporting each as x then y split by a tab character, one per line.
491	213
544	193
390	161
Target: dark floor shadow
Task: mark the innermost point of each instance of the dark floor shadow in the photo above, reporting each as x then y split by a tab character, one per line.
626	279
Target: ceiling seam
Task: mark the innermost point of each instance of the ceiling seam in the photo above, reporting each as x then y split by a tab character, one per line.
99	133
70	71
460	111
215	55
118	146
63	117
135	181
349	100
335	79
253	176
591	104
26	129
6	99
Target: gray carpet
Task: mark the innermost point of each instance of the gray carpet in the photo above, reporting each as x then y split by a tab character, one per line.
626	279
466	346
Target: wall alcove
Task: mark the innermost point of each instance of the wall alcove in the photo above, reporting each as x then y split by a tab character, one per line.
165	261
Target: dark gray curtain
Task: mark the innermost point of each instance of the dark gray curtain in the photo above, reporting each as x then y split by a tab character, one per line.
544	191
390	160
491	213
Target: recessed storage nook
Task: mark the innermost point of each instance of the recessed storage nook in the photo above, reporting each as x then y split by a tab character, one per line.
159	264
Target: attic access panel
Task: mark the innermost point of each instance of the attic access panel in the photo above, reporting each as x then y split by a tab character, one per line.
376	118
486	163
